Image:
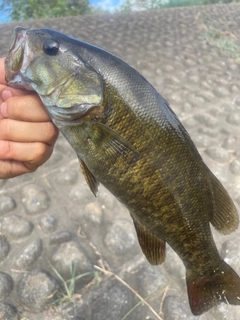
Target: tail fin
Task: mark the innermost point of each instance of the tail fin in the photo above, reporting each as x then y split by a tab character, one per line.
205	292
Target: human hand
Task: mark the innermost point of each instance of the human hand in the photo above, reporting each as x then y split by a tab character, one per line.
27	134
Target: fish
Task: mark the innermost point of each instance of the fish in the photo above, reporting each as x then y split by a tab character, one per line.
127	138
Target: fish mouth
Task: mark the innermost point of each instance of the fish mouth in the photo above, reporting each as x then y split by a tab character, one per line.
15	61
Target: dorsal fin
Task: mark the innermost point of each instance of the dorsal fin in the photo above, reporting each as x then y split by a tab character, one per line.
225	217
153	247
89	177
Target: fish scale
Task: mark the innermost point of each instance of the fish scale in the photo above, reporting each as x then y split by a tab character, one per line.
127	138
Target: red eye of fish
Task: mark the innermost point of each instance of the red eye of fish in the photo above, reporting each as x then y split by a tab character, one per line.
51	47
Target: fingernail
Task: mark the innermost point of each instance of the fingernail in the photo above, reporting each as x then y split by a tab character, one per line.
4	110
6	94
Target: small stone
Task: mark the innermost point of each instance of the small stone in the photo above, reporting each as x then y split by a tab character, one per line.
187	107
108	306
234	88
35	199
81	195
6	285
29	255
37	289
218	154
4	248
8	312
206	120
231	143
16	226
234	167
67	176
60	237
231	254
121	238
7	204
69	253
233	118
202	141
93	213
175	307
2	181
54	160
48	224
210	132
151	280
189	123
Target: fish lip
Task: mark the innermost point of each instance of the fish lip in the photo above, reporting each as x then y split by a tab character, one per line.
15	64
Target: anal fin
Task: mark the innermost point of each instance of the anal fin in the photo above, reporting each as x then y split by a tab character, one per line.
224	217
89	177
153	247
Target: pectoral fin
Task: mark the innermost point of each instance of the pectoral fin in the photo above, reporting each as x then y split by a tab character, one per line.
153	247
224	217
90	179
112	144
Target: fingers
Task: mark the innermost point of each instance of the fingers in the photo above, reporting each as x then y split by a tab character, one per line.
26	157
35	152
25	108
24	119
20	131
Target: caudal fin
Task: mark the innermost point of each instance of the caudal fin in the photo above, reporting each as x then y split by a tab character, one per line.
205	292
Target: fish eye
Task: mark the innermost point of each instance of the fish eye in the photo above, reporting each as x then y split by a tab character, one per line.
51	47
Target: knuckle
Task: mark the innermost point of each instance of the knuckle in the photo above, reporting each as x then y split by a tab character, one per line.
6	150
6	128
40	151
50	132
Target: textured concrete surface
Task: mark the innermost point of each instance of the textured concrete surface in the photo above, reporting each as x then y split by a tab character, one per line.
50	219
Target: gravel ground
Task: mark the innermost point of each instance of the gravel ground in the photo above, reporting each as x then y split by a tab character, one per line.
52	229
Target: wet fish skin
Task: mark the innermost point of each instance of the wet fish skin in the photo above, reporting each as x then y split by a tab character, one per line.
127	137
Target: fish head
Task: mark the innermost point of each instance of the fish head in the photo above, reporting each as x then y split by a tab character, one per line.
46	62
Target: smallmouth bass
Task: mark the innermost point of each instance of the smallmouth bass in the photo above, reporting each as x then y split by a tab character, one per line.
127	137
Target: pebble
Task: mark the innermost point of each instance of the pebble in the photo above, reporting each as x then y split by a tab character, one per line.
16	227
234	167
60	237
114	304
120	238
48	224
4	248
177	308
151	279
92	213
7	204
67	176
35	199
29	255
230	253
231	143
206	120
218	154
202	141
8	312
37	289
81	194
233	118
70	253
6	285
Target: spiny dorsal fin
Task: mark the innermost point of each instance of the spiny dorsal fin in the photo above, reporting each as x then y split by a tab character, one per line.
89	177
225	217
153	247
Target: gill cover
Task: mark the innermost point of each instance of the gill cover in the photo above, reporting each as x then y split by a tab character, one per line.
48	65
